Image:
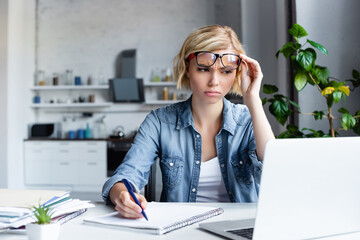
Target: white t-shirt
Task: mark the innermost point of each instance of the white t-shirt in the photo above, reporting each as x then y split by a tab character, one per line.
211	186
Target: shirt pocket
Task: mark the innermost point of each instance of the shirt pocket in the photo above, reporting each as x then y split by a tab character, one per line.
242	167
172	170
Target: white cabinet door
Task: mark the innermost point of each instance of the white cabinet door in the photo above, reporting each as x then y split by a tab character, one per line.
65	163
37	163
92	163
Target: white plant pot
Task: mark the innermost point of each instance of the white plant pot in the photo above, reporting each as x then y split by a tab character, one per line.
43	231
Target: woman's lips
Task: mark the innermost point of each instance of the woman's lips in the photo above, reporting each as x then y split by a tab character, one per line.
212	93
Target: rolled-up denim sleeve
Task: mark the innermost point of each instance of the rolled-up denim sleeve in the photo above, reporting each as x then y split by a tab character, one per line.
137	162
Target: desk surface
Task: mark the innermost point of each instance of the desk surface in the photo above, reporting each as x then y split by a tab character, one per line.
76	229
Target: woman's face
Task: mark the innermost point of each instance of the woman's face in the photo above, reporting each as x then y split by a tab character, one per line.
211	84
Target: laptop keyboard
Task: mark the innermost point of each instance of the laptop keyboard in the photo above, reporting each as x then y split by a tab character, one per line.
246	232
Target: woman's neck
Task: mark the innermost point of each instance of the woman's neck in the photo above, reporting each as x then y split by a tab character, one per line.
207	115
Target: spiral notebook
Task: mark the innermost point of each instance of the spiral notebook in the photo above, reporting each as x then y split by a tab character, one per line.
163	217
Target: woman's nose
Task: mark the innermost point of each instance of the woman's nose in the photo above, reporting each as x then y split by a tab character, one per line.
214	76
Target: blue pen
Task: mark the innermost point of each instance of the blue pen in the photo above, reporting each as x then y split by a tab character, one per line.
131	191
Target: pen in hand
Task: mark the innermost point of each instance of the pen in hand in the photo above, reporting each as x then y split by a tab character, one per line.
131	191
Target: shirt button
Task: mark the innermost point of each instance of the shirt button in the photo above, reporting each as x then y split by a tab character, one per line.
222	165
218	139
241	162
193	190
197	162
171	164
197	135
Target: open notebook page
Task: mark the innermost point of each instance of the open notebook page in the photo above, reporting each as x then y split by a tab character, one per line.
162	216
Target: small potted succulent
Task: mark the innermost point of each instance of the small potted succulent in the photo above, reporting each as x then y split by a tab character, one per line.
43	228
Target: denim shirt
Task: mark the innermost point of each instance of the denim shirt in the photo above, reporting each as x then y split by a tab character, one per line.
169	133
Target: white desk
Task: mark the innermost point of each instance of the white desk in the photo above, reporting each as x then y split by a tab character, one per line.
75	229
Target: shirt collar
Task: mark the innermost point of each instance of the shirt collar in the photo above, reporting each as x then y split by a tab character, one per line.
230	116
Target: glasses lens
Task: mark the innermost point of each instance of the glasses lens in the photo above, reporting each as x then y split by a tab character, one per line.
231	61
206	59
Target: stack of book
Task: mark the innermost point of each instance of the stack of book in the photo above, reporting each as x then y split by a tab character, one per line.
16	207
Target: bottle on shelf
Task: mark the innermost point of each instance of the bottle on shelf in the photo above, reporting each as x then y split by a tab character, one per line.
40	78
55	79
69	77
87	131
165	93
168	75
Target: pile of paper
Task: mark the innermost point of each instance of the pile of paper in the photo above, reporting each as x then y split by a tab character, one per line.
16	205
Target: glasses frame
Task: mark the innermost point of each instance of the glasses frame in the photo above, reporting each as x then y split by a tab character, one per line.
195	54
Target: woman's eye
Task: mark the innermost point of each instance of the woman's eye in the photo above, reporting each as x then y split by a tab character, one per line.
203	69
227	71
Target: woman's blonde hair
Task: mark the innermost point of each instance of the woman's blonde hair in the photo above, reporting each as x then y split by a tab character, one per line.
208	38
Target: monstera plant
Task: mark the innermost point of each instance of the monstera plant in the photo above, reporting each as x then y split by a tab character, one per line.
302	54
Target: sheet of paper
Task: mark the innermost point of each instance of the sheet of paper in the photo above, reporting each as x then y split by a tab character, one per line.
160	215
26	198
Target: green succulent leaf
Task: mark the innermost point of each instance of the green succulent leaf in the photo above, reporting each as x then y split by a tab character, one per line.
300	80
355	74
347	121
320	47
297	31
42	214
305	59
269	89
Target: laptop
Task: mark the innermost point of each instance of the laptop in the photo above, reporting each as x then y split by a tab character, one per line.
310	188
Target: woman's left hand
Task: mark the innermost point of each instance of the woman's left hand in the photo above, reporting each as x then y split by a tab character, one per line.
251	77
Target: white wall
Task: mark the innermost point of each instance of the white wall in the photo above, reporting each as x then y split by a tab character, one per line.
336	27
21	36
263	33
87	37
3	91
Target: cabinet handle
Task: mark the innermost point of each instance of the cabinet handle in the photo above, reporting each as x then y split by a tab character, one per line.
92	163
64	163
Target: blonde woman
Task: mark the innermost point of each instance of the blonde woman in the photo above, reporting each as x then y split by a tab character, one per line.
210	150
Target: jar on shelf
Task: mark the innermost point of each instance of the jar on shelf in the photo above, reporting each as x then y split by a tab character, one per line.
69	77
40	78
55	79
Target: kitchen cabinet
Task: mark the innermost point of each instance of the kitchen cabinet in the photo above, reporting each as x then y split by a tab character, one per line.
71	164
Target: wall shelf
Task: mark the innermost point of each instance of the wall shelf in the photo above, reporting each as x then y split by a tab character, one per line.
160	84
70	87
70	105
161	102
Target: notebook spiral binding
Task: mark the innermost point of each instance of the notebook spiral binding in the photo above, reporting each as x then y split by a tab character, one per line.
192	220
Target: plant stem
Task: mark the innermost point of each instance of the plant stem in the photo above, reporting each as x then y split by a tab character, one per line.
320	90
330	122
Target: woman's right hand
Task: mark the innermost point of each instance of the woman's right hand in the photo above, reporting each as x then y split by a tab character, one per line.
124	203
